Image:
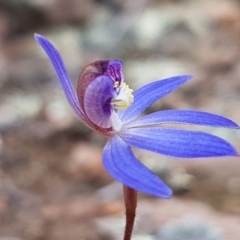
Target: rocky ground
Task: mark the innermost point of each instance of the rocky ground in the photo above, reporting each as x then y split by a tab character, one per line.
52	182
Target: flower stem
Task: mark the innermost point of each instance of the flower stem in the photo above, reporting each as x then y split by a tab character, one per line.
130	198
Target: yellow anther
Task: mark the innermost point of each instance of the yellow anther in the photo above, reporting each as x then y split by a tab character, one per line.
124	98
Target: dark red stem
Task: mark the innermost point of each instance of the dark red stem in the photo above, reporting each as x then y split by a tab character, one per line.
130	198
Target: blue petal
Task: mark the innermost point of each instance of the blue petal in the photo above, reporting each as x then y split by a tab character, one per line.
148	94
61	72
97	100
184	116
178	143
120	162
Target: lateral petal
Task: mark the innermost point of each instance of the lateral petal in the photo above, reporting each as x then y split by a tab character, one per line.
148	94
185	117
178	142
120	162
60	69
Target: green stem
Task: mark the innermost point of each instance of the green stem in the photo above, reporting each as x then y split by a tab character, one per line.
130	198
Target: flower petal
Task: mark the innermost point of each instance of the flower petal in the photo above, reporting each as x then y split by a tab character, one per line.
115	71
177	142
184	116
97	99
61	72
120	162
148	94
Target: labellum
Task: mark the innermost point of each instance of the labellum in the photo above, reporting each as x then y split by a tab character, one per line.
100	91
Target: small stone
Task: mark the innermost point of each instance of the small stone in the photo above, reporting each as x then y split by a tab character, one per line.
19	107
190	228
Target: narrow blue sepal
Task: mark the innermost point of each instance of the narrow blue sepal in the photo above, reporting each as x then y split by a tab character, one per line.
148	94
178	142
184	117
60	69
120	162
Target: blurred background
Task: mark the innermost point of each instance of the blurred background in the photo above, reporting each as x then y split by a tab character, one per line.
52	182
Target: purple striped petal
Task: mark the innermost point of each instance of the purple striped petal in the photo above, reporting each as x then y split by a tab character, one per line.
148	94
97	98
61	72
178	143
184	116
120	162
115	71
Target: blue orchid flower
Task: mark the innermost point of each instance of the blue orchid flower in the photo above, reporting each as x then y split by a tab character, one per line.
106	104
